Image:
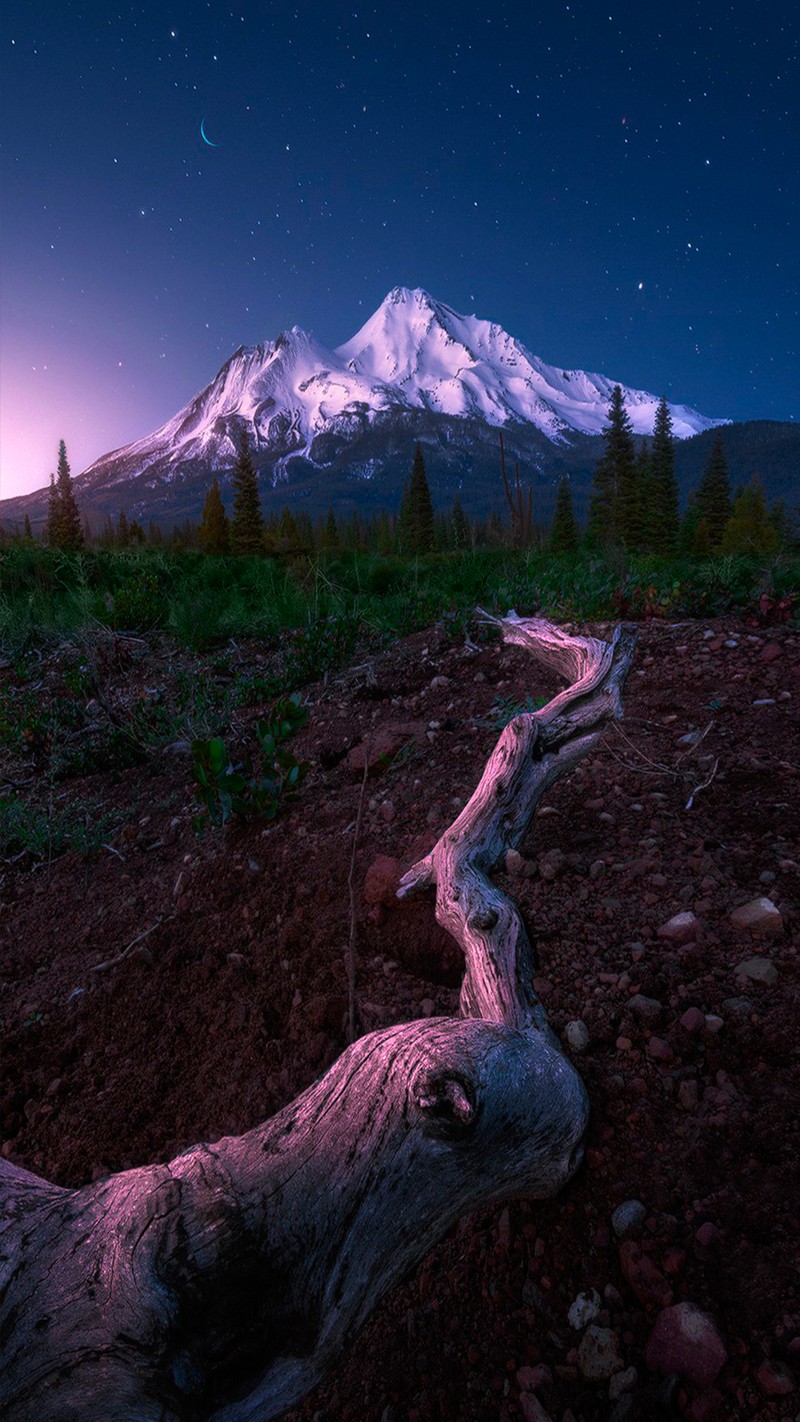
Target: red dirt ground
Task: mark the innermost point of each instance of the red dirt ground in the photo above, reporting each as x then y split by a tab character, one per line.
237	1001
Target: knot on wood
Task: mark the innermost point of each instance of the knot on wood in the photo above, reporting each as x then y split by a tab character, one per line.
447	1103
484	919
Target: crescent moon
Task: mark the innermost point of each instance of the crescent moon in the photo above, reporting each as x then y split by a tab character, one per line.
207	140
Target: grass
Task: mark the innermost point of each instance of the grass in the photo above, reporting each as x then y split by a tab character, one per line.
203	602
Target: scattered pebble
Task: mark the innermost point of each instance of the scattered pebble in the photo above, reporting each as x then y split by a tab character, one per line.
597	1355
628	1218
687	1341
584	1309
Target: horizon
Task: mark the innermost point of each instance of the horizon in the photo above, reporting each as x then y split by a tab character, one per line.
525	168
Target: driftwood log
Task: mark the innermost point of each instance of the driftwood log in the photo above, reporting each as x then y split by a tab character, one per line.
224	1284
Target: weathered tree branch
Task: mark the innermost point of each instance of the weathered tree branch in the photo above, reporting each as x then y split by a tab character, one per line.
223	1285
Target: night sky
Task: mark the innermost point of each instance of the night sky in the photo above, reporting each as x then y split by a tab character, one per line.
617	185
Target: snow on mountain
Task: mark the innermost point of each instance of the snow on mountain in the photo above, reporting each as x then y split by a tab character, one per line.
294	396
461	365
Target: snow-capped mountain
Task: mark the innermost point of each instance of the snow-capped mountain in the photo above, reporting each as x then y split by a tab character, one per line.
463	366
298	399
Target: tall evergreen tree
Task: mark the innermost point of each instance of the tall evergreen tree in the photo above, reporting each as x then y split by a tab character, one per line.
69	532
215	534
27	531
663	511
416	510
749	528
123	536
613	488
714	492
460	526
247	526
564	536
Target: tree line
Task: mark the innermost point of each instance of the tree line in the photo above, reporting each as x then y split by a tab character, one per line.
633	505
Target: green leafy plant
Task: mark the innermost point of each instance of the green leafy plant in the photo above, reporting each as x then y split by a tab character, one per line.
256	788
505	708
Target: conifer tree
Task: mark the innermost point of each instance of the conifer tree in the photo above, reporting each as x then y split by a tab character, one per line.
749	529
69	533
614	478
215	534
331	536
663	511
564	529
247	526
122	536
27	531
287	536
416	510
647	538
460	526
714	492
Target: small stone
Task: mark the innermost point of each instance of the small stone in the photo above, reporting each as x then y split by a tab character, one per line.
642	1277
552	864
647	1009
381	880
707	1235
386	812
764	701
688	1095
628	1218
760	916
771	652
659	1050
576	1035
758	970
532	1409
514	862
714	1024
681	928
584	1309
774	1379
597	1355
693	1020
438	681
622	1382
687	1341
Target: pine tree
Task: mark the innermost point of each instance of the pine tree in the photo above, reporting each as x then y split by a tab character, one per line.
614	478
714	492
564	535
69	533
663	519
122	537
215	534
644	498
460	526
749	529
27	531
247	527
416	510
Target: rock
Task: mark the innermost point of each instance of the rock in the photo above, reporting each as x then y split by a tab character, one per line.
647	1009
771	652
597	1355
553	863
381	880
642	1277
687	1341
584	1309
774	1379
382	745
514	862
659	1050
622	1382
386	811
532	1409
628	1218
688	1095
681	928
759	916
758	970
530	1379
693	1020
576	1035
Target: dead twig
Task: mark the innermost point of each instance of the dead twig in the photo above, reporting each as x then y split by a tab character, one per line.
351	947
120	958
704	786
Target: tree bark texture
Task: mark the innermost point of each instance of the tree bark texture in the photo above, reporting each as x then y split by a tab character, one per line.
224	1284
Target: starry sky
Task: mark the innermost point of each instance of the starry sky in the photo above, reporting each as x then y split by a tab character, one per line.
616	184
